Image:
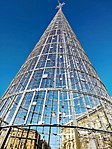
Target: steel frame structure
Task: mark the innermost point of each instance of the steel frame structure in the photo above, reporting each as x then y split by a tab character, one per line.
55	85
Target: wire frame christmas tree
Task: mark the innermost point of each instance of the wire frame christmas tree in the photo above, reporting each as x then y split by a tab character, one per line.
58	94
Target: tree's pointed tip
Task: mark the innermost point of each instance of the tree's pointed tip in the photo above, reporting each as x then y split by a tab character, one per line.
60	5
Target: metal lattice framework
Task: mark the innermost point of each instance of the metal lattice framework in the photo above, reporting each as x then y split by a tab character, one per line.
58	89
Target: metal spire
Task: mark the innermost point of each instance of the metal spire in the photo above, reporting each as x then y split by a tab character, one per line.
57	98
60	5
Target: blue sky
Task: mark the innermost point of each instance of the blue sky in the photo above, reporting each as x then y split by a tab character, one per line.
23	22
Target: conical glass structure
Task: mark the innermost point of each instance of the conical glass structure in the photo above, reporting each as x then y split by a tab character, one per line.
58	95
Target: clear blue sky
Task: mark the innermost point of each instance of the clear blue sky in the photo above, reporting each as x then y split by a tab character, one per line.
23	22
